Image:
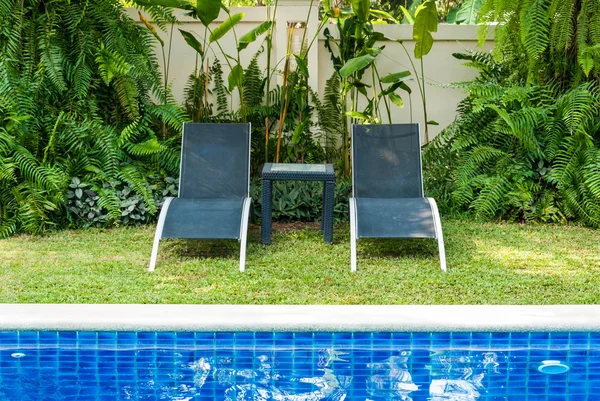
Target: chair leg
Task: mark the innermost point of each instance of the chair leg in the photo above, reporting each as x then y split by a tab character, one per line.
438	232
158	234
244	232
352	204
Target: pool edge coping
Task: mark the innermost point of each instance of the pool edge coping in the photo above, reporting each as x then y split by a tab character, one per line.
130	317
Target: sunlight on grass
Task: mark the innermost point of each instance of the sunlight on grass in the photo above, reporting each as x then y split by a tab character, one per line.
487	264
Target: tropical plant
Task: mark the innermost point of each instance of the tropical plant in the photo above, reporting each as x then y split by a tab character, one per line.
424	23
448	11
560	39
528	153
526	140
302	200
75	84
353	55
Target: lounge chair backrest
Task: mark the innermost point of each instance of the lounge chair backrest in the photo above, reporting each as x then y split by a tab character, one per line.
215	161
386	161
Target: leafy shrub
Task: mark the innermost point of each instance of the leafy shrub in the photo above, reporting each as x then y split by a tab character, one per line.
76	80
302	200
520	152
82	203
86	211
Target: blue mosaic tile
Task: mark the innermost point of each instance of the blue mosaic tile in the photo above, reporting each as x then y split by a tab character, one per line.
61	366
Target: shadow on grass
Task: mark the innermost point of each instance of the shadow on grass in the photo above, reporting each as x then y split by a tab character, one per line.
193	249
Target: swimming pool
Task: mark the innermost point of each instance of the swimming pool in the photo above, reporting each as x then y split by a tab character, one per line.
300	365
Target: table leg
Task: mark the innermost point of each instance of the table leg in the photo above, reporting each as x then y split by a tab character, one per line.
327	220
323	204
266	213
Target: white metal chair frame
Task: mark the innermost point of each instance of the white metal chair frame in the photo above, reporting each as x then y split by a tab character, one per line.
243	224
354	222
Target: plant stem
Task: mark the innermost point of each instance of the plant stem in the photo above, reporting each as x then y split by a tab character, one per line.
285	94
421	90
269	40
424	103
385	100
194	93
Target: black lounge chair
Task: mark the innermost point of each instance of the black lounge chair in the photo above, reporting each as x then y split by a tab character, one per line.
214	185
387	187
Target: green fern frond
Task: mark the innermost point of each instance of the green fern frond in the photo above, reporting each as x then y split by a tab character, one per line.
563	30
535	28
490	197
169	114
146	148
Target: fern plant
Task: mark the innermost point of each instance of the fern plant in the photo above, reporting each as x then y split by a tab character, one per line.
526	138
75	84
523	152
560	38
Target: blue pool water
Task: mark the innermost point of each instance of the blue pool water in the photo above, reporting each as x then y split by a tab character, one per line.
185	366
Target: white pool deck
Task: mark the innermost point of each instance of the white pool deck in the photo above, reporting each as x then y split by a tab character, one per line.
298	318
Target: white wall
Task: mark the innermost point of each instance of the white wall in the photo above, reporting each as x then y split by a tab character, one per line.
440	67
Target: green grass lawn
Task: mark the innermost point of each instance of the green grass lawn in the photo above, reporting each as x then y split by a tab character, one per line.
487	264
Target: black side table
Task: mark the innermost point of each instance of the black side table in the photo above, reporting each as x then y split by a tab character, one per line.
297	172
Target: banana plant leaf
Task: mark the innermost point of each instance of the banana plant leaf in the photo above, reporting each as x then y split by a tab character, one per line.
395	77
235	77
407	15
361	9
302	66
383	15
207	10
225	27
396	99
358	115
356	64
253	34
425	23
192	41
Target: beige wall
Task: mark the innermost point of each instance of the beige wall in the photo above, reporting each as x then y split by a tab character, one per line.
441	68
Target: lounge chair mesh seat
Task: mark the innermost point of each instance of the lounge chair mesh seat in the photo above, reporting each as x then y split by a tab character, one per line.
213	199
387	196
210	218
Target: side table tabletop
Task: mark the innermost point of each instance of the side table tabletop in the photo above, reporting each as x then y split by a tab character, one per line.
297	172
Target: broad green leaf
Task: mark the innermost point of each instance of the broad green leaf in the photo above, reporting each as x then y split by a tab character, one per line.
407	17
395	77
397	100
468	11
253	35
225	27
384	15
208	10
192	41
166	3
425	23
302	66
357	114
413	6
356	64
392	88
361	9
451	17
236	76
431	122
404	87
297	132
